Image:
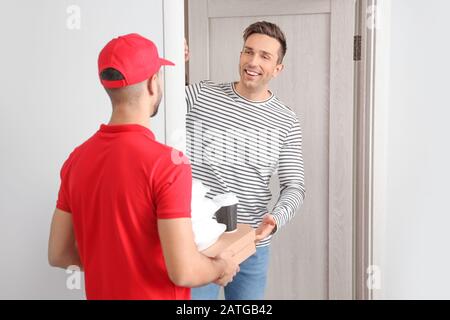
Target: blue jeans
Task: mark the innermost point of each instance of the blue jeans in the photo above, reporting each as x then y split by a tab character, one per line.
248	284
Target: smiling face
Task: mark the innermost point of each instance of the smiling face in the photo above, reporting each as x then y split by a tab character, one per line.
259	62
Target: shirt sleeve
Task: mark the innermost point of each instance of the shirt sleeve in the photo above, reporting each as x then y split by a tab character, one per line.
291	175
172	188
62	203
192	92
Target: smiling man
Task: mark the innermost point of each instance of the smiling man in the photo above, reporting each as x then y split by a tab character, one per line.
239	135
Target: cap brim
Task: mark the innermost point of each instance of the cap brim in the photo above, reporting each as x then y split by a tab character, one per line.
165	62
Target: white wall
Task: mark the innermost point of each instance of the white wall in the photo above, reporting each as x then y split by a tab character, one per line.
415	245
50	102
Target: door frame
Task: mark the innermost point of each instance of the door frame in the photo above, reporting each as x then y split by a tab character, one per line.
363	148
174	77
371	97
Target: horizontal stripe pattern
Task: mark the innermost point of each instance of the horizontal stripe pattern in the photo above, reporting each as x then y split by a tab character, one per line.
236	145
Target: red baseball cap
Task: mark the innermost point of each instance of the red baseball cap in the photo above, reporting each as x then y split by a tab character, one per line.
132	55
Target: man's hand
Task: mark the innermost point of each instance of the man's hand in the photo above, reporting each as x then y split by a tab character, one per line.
268	224
186	51
231	268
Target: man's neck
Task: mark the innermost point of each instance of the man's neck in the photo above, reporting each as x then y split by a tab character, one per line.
252	95
124	115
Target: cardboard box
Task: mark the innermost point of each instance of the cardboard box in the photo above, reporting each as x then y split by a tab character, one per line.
241	242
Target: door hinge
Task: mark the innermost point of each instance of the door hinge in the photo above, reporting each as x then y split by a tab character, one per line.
357	48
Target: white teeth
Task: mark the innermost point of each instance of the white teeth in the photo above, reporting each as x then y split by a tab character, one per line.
252	73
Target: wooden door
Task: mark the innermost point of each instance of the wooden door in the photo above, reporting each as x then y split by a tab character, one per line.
312	257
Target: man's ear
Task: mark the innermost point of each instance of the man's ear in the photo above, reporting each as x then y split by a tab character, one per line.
152	84
278	70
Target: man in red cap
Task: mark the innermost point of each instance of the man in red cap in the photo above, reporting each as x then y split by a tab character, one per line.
123	208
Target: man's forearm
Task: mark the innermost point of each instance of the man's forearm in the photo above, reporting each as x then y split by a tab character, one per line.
64	261
290	200
205	270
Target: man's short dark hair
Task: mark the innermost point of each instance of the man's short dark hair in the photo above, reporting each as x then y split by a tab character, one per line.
117	95
111	74
271	30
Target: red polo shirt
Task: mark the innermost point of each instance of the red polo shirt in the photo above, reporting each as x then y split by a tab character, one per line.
116	185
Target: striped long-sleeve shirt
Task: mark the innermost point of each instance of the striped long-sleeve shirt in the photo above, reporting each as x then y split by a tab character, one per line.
236	145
